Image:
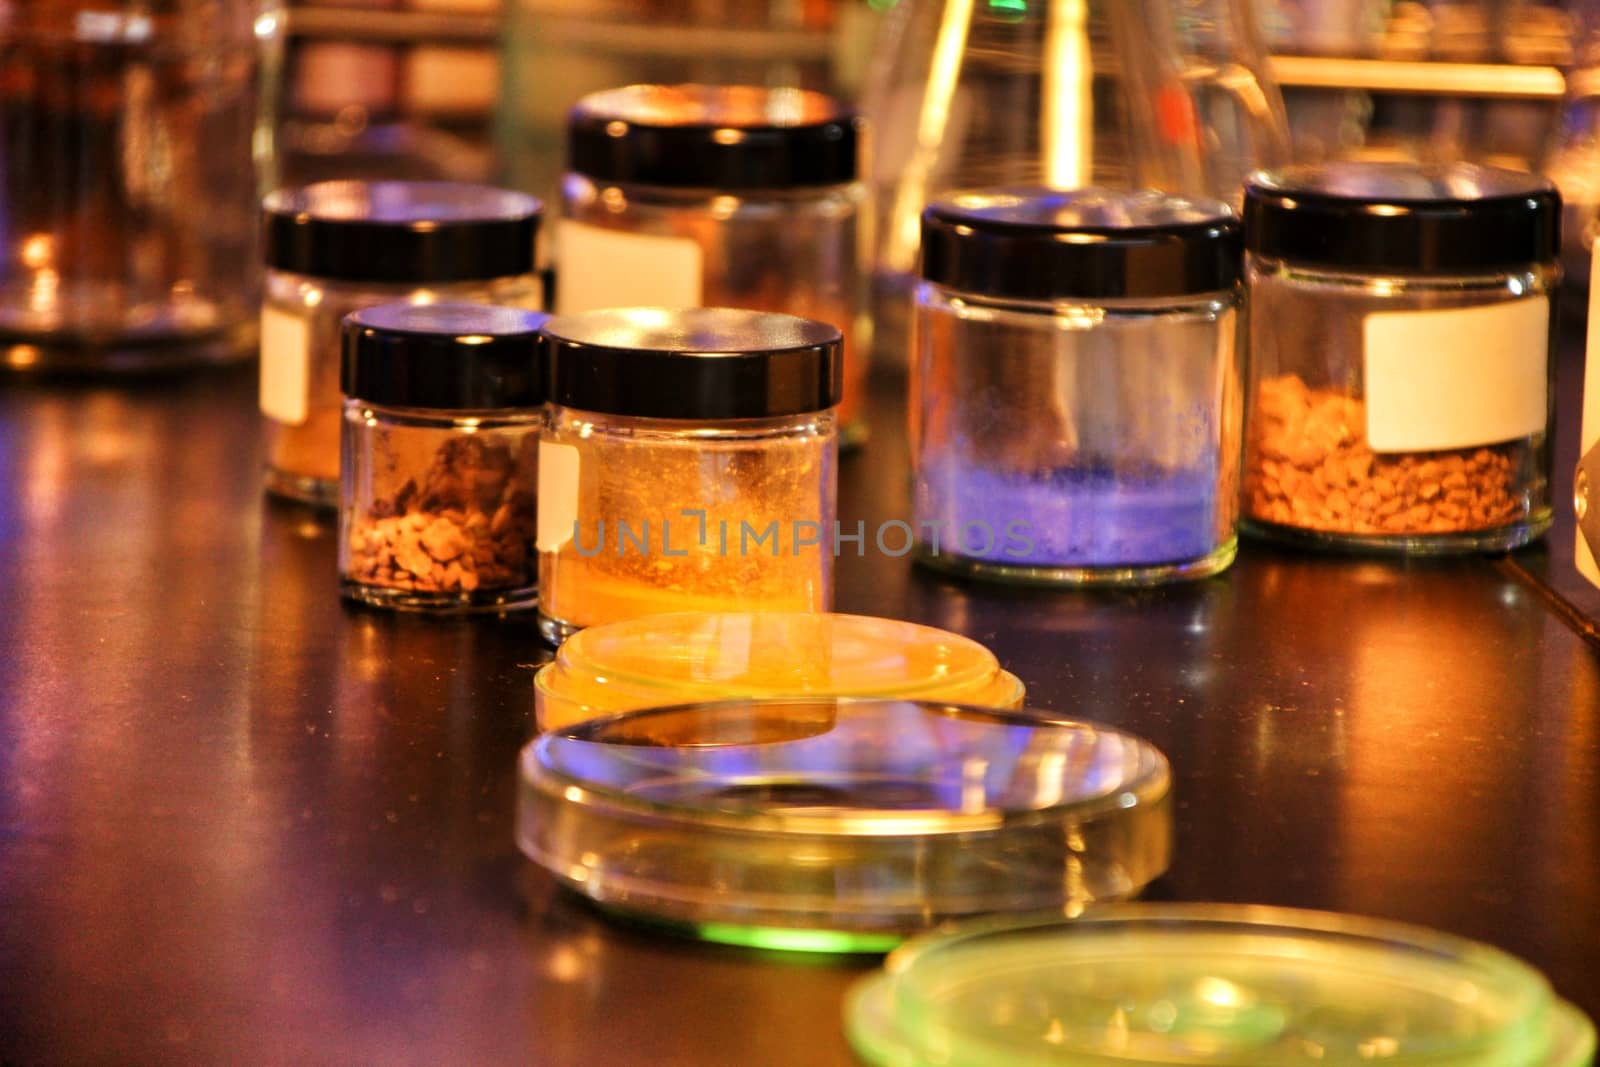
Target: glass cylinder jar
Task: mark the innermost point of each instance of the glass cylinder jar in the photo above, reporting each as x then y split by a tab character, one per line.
1401	354
1075	393
337	247
440	437
687	464
135	142
720	196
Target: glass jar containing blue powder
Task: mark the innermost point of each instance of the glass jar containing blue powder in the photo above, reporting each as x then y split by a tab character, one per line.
1076	403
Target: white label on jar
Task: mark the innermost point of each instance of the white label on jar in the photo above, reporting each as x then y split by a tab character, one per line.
558	495
601	268
1457	378
285	365
1590	431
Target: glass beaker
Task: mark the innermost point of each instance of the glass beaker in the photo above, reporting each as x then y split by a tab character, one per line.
1172	95
135	143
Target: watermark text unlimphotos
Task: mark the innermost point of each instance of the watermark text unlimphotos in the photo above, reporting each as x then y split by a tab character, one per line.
693	531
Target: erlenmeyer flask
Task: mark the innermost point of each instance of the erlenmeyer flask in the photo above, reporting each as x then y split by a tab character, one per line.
1158	94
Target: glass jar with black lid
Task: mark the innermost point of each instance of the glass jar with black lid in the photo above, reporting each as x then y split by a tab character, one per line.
1075	411
336	247
720	196
687	464
441	418
1401	349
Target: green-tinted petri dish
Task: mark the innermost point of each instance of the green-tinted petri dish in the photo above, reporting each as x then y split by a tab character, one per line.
1209	985
829	825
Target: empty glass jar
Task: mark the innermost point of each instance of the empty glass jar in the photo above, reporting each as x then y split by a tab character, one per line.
719	196
135	141
688	464
1075	391
1401	356
337	247
440	433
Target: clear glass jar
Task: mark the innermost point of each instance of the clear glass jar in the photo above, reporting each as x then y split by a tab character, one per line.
1401	356
720	196
1076	387
687	464
336	247
440	467
137	139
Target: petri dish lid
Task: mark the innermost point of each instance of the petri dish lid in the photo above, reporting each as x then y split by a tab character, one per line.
841	824
1209	984
703	656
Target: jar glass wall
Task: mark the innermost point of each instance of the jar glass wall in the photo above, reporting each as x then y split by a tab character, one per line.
684	516
1310	468
794	252
1067	443
438	510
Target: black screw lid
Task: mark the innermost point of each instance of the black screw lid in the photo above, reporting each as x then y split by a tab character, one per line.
400	232
692	363
454	357
1402	217
1032	243
714	137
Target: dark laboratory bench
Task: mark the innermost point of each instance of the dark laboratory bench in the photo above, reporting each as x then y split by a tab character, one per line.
242	822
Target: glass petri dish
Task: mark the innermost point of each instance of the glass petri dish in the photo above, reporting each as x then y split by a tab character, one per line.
704	656
1209	984
841	825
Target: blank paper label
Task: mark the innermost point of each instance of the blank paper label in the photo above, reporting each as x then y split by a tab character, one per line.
558	495
602	268
285	365
1457	379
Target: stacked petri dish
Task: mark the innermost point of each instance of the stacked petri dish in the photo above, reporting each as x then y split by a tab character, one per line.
841	825
673	659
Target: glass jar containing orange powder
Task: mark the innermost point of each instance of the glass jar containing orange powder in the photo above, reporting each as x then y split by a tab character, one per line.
687	463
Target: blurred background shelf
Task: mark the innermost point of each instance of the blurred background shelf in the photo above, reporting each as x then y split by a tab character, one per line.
1501	81
399	26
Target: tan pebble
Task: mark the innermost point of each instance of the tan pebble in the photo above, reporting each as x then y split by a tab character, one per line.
1305	454
469	581
410	554
1384	487
415	521
444	540
1448	511
451	578
1428	490
1339	502
1429	471
501	521
1419	515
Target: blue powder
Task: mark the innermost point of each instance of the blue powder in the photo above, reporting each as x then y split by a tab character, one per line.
1089	516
